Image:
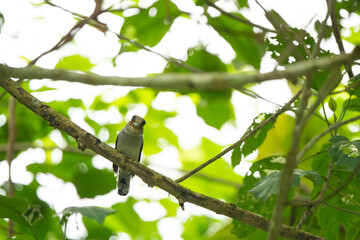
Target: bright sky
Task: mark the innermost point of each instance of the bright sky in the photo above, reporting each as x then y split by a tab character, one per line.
29	31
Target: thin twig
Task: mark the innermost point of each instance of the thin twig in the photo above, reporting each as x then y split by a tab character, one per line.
320	37
249	134
343	209
336	31
237	18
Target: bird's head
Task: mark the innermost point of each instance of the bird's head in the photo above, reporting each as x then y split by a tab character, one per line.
135	125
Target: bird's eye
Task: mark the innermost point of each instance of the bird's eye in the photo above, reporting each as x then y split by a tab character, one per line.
133	119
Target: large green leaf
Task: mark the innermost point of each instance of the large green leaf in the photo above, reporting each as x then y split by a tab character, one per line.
247	200
248	46
150	24
215	108
93	212
269	185
88	185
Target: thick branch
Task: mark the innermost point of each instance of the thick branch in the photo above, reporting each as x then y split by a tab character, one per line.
152	178
193	81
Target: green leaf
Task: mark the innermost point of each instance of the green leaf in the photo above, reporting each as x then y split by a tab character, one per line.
247	201
243	3
14	209
87	182
197	227
327	30
151	24
269	185
353	87
235	156
254	141
127	220
76	63
95	230
247	45
171	207
344	152
215	108
332	104
199	58
354	104
93	212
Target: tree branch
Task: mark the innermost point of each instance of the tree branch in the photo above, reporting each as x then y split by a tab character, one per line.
152	178
249	134
178	82
335	27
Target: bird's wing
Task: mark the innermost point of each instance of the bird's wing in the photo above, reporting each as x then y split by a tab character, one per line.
115	167
140	151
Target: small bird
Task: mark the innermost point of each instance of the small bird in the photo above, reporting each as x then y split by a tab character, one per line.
129	142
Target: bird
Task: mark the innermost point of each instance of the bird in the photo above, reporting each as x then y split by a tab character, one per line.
129	142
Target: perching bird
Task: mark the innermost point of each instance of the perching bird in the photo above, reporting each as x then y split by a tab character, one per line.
129	142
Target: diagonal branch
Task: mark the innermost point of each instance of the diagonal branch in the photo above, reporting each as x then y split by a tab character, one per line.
152	178
249	134
180	81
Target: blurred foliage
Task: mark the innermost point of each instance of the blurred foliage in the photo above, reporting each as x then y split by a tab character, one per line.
148	25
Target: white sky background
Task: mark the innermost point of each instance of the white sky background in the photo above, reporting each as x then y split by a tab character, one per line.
29	31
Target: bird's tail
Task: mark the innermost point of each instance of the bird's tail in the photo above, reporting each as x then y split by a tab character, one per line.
123	184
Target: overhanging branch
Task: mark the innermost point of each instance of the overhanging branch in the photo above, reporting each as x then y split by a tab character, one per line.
149	176
191	81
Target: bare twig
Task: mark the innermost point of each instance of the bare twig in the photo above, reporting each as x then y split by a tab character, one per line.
237	18
320	37
152	178
343	209
336	31
249	134
92	21
70	35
